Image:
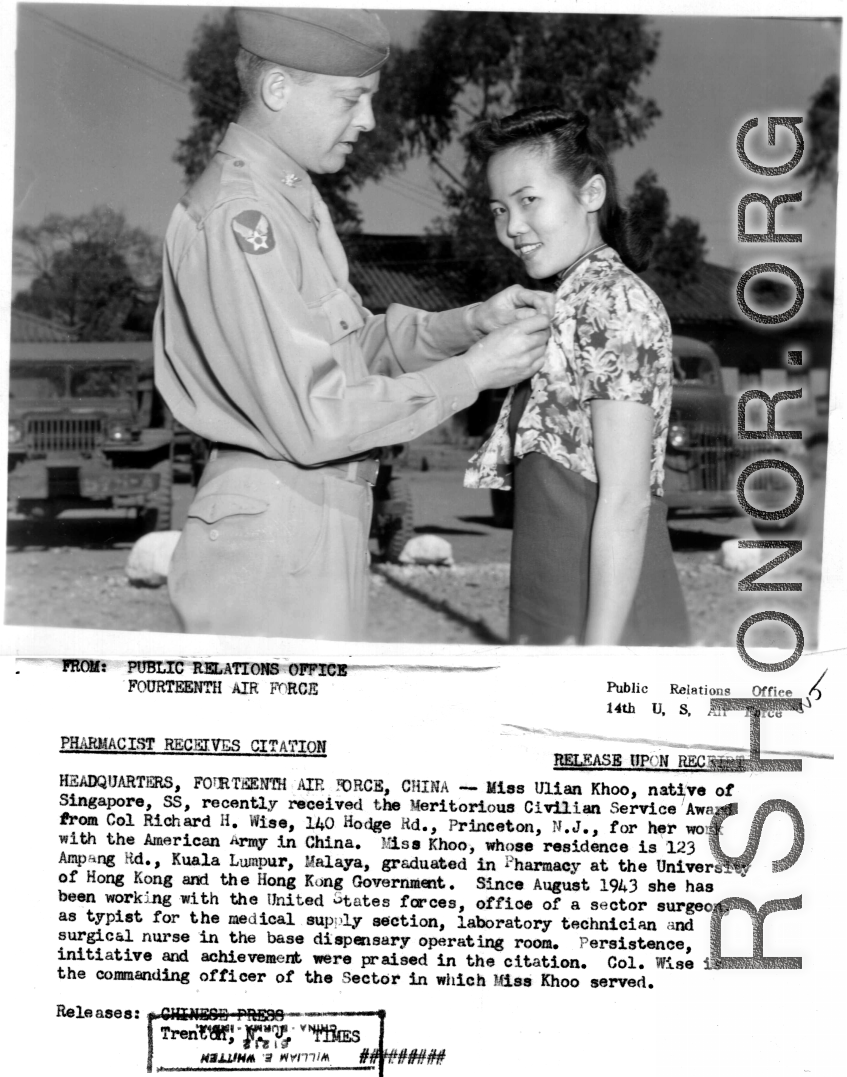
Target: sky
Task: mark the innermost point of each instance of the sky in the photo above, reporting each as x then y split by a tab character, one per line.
93	127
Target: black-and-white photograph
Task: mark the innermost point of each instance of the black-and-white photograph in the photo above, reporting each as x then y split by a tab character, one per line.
427	327
389	391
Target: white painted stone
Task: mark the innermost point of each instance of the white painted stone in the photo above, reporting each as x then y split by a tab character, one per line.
738	560
149	559
427	550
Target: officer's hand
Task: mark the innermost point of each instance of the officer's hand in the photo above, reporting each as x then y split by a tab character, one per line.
510	305
509	355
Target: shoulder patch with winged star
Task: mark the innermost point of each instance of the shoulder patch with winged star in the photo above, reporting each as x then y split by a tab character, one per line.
253	232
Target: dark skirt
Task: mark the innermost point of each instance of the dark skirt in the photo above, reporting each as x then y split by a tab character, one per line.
554	512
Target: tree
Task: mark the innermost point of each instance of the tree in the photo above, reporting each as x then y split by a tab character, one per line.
467	66
679	247
215	94
649	203
216	100
470	66
822	125
463	68
92	273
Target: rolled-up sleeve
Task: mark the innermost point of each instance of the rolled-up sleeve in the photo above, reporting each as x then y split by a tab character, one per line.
245	360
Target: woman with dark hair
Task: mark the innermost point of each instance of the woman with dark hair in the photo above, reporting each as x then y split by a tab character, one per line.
583	442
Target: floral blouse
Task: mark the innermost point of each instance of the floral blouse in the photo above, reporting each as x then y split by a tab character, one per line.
610	340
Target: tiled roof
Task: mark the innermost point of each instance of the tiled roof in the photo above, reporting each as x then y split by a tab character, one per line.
403	269
30	329
709	299
712	298
421	271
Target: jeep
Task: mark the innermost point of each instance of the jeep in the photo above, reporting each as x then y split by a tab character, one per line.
81	433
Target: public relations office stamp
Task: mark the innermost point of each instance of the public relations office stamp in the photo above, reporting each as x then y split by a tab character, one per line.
196	1039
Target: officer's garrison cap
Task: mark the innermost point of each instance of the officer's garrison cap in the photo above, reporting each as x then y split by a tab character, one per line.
324	41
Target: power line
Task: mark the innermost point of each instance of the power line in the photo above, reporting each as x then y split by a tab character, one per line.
415	192
390	185
395	184
122	57
420	187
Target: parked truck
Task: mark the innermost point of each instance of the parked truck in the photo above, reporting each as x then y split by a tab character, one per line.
86	432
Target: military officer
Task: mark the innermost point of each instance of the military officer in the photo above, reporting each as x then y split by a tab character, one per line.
264	348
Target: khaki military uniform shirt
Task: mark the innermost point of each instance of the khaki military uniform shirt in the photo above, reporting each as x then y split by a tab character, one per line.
257	343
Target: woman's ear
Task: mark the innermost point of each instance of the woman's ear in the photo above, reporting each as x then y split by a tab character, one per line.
593	193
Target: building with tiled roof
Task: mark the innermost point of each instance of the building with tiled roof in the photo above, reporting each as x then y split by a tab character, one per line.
422	271
418	271
30	329
711	298
754	356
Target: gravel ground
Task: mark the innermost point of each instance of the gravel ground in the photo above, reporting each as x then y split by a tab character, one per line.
74	588
71	574
478	595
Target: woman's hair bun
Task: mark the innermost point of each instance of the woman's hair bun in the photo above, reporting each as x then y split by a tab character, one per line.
576	153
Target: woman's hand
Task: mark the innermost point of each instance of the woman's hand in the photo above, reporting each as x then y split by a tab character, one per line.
510	305
623	442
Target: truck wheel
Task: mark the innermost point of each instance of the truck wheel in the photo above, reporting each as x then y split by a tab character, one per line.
395	519
158	513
